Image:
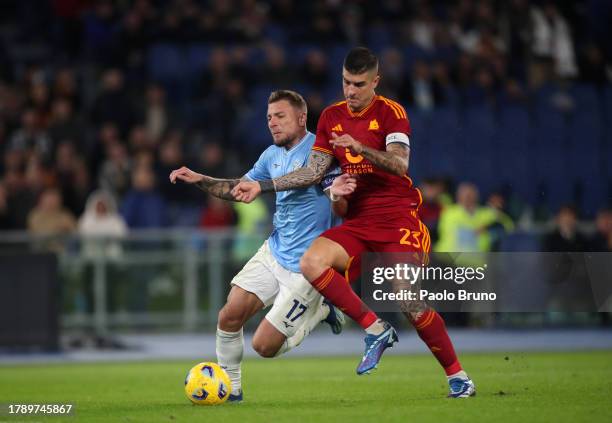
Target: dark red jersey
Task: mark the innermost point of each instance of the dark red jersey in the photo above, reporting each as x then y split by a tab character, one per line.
379	194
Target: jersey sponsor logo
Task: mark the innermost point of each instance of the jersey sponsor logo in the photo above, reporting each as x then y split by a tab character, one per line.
351	158
338	128
373	125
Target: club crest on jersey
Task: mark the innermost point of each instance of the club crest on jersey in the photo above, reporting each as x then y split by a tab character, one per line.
296	165
337	128
351	158
373	125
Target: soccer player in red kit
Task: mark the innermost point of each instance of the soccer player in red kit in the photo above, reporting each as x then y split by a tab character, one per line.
369	137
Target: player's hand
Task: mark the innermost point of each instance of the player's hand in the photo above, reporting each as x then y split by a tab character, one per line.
346	141
186	175
343	185
246	191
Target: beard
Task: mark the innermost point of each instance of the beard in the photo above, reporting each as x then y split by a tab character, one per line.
282	142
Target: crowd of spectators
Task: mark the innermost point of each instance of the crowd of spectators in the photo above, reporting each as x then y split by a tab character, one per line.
87	104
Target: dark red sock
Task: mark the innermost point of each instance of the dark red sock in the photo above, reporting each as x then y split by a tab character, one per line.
432	330
336	289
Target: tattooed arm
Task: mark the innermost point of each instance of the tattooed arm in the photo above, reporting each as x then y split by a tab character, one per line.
394	160
311	174
220	188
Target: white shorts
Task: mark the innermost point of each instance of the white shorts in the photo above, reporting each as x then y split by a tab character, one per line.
292	297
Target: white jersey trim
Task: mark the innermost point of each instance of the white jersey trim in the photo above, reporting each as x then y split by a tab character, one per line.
398	137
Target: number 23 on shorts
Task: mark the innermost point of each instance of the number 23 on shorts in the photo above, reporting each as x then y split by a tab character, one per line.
412	238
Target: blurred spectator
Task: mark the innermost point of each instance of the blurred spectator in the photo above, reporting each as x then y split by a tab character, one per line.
552	40
73	177
566	236
315	70
434	191
316	105
503	223
116	170
422	91
252	219
593	66
65	126
218	214
275	70
5	218
602	240
65	87
31	138
49	217
143	207
157	116
99	220
112	103
464	226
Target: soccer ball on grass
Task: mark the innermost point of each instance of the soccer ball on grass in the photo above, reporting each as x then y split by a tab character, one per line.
207	384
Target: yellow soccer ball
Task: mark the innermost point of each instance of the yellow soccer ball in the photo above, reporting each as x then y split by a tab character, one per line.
207	384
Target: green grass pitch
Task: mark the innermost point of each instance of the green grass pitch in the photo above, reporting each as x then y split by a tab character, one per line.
513	387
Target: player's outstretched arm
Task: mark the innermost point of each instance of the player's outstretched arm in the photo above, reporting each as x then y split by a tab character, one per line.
311	174
220	188
394	160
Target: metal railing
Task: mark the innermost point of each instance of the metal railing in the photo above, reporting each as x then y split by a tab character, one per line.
175	278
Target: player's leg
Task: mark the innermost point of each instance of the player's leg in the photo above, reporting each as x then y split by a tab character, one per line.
320	264
428	324
323	264
253	288
297	310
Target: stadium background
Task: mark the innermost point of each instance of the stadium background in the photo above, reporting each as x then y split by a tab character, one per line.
104	264
99	100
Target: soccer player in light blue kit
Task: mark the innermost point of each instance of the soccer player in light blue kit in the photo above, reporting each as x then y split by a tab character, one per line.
272	276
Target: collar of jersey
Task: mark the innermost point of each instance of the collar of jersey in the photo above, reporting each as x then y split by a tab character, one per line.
364	111
298	144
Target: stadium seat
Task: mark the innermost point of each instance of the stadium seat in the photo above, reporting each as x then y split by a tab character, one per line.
520	242
198	56
443	132
608	105
551	157
586	98
420	148
478	150
585	160
514	163
378	38
165	62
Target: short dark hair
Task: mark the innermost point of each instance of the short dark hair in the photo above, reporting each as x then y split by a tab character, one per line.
295	99
360	60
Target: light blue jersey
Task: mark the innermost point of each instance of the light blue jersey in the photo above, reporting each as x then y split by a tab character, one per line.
301	214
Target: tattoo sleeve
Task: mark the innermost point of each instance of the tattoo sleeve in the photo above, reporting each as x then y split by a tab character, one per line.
219	187
394	160
311	174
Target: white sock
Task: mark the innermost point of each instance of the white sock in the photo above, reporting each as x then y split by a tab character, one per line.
311	322
460	374
230	349
376	328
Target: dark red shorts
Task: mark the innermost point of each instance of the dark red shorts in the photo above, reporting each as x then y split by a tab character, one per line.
404	234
